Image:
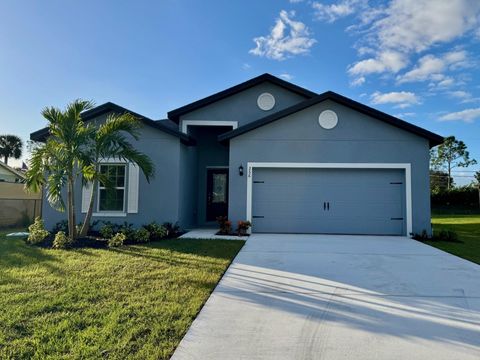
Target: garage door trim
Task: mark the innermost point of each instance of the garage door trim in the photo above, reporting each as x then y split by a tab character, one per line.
405	166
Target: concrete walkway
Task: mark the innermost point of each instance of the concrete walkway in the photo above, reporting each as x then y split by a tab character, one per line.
339	297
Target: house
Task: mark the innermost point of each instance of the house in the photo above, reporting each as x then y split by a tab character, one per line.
281	156
9	174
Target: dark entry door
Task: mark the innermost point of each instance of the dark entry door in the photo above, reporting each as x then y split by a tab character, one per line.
217	193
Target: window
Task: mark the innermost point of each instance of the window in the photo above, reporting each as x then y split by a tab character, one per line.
112	197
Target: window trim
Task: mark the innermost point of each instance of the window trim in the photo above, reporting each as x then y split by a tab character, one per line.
112	213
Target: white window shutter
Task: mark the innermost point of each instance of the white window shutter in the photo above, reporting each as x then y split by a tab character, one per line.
133	179
86	194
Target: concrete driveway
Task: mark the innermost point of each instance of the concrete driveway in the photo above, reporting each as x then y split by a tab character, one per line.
339	297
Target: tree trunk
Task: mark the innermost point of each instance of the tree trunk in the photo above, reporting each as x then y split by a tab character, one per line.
88	215
72	230
449	174
5	157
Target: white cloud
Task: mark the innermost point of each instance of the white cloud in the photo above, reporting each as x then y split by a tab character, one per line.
286	76
401	99
416	25
246	66
405	28
427	65
464	96
287	38
467	115
387	61
404	115
460	94
432	67
333	12
358	81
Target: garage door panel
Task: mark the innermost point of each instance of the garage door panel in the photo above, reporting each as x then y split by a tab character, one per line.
361	201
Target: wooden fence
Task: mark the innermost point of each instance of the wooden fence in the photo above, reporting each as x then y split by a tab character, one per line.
17	207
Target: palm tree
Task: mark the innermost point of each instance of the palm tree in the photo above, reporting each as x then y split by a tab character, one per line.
110	142
10	146
62	158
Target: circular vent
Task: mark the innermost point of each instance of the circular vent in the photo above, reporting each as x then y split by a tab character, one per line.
328	119
266	101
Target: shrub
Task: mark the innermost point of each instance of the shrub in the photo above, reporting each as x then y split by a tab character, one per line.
37	232
423	236
117	240
142	235
128	230
225	225
173	229
61	241
60	226
461	197
107	231
442	235
242	227
157	231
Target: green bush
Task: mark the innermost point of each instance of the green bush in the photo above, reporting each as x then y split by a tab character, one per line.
117	240
142	235
61	241
60	226
173	229
157	231
128	230
462	197
443	235
107	231
37	232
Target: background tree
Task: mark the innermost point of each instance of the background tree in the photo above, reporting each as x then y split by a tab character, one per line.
439	181
451	154
110	142
58	162
10	146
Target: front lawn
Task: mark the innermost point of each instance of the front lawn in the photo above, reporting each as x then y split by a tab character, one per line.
468	229
134	302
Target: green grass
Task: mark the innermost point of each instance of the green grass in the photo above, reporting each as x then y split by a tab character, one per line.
468	229
135	302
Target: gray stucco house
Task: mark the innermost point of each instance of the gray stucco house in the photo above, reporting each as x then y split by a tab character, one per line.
283	157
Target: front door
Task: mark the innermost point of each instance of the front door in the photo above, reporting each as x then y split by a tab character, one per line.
217	193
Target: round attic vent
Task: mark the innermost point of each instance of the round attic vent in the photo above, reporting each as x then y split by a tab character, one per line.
266	101
328	119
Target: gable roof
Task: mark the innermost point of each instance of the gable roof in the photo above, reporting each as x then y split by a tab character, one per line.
174	115
42	134
433	138
12	170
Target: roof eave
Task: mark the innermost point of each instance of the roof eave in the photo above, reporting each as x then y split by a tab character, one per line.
42	134
174	115
434	139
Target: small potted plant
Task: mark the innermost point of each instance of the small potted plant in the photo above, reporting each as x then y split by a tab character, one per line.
225	225
243	227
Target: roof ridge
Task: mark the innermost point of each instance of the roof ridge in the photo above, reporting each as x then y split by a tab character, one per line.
176	113
434	139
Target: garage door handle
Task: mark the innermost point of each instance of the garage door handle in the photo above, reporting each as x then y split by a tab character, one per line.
328	206
324	205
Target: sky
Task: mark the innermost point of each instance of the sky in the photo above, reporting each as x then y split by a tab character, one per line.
414	59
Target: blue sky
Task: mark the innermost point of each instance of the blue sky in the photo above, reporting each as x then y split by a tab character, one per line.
416	59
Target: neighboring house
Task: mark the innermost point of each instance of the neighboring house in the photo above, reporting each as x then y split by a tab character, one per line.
9	174
283	157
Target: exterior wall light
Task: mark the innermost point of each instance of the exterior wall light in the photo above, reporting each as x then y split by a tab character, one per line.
240	170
